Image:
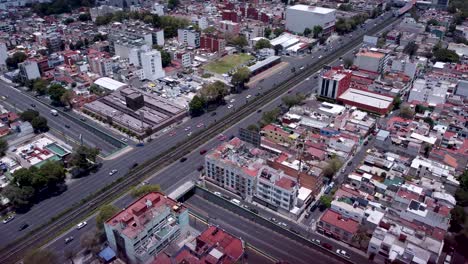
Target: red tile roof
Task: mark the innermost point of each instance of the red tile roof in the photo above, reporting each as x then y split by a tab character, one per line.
337	220
285	183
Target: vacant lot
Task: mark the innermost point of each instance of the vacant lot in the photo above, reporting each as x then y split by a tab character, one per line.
227	63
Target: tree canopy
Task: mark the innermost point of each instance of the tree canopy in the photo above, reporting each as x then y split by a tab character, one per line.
214	92
197	106
145	189
292	100
105	212
411	48
18	57
29	115
333	166
240	77
39	124
40	86
317	30
84	157
56	92
3	147
262	43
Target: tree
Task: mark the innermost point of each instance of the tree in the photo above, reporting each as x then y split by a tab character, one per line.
325	201
40	86
317	30
209	30
445	55
348	62
55	92
29	115
267	32
429	121
253	128
239	41
18	57
197	106
69	20
411	48
397	102
165	58
293	100
105	212
3	147
214	92
240	77
84	157
18	197
90	242
145	189
333	166
427	149
41	256
54	172
67	98
39	124
345	7
84	17
307	31
406	112
458	218
94	89
278	31
262	44
69	254
270	116
171	4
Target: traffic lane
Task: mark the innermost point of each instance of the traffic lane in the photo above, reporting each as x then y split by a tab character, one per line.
260	237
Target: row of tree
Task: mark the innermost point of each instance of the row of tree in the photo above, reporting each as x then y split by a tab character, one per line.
38	122
59	6
343	26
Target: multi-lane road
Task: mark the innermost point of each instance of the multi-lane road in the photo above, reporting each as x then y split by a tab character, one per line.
171	176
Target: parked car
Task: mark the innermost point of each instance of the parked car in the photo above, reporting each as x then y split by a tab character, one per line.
8	219
273	219
112	172
23	226
218	194
183	159
283	224
69	239
327	246
81	225
33	105
316	241
342	253
213	114
200	168
202	152
253	210
134	165
236	202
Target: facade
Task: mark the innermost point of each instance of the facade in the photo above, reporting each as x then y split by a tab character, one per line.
3	55
277	189
54	42
367	101
300	17
100	63
143	229
189	37
334	224
213	43
433	92
29	70
334	83
373	61
102	10
151	64
462	88
229	27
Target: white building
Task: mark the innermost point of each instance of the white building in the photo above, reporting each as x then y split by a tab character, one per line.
300	17
158	9
433	92
405	65
102	10
348	210
109	84
277	189
202	23
371	60
151	64
29	70
3	55
189	37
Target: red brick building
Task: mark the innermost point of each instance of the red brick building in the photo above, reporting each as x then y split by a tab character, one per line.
212	43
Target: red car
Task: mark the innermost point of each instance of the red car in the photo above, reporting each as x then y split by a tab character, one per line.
327	246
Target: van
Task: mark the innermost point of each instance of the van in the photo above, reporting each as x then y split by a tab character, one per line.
236	202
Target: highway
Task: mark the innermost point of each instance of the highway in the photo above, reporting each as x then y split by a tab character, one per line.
83	187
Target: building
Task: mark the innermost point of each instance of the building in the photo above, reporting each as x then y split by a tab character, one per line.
277	189
100	63
102	10
151	64
339	227
227	26
3	55
54	42
143	229
213	43
158	9
109	84
430	91
29	70
214	245
367	101
371	60
462	88
185	58
189	37
334	83
300	17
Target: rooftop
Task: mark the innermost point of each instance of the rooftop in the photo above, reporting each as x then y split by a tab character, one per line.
367	98
337	220
312	9
109	83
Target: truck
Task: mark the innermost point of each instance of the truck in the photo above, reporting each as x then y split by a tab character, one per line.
54	112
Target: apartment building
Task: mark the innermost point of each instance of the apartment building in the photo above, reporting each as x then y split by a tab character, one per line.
334	82
143	229
150	62
3	55
227	26
29	70
277	189
189	37
371	60
100	63
429	91
337	226
213	43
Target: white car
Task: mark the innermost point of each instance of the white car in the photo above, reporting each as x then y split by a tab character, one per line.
189	134
112	172
124	139
230	106
232	101
8	219
342	253
320	56
217	194
81	225
248	96
187	128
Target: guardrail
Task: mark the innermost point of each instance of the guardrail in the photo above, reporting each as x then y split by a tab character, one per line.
13	251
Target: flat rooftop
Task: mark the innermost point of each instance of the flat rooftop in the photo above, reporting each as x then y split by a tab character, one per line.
312	9
367	98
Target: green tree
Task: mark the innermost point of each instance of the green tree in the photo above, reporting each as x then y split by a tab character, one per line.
411	48
18	57
67	98
40	86
54	172
140	191
270	116
262	43
239	41
197	106
267	32
317	30
29	115
41	256
406	112
94	89
19	197
84	157
253	127
240	77
3	147
325	201
84	17
429	121
39	124
105	212
333	166
397	102
68	20
55	92
345	7
209	30
307	31
89	241
214	92
278	31
292	100
348	62
445	55
172	4
165	58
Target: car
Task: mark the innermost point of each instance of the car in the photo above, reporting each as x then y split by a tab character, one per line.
273	219
218	194
199	125
83	119
232	100
253	210
342	253
246	206
8	219
81	225
316	76
327	246
33	105
248	96
307	215
124	139
189	134
139	144
259	110
67	126
112	172
366	142
222	137
316	241
187	128
230	106
200	168
203	152
134	165
236	202
448	259
213	114
23	226
290	91
183	159
320	56
69	239
172	133
283	224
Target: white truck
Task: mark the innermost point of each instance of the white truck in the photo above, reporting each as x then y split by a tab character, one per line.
54	112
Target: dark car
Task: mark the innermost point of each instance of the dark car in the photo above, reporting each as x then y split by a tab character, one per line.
200	168
213	114
327	246
259	110
183	159
23	226
140	145
67	126
134	165
202	152
293	230
253	210
33	105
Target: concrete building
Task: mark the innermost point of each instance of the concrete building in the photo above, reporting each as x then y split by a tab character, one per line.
109	84
367	101
158	9
227	26
432	91
371	60
3	55
100	63
462	88
143	229
337	226
151	64
54	41
277	189
189	37
334	83
213	43
102	10
29	70
300	17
